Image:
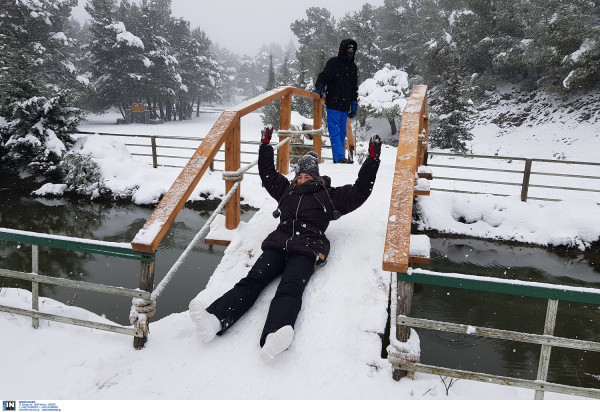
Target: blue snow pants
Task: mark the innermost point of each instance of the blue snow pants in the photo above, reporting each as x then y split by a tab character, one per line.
295	270
336	123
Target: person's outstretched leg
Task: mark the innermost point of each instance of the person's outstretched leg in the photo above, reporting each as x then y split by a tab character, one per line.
234	303
278	333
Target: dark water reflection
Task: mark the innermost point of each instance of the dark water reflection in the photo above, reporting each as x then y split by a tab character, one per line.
499	311
108	223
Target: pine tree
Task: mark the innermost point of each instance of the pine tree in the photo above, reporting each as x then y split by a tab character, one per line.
38	84
317	36
271	112
117	56
363	27
452	109
301	81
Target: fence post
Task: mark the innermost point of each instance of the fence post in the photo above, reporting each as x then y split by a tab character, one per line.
545	352
526	175
154	156
147	284
232	164
317	123
403	305
285	121
35	286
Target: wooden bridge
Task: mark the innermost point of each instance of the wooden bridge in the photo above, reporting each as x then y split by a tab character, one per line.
409	180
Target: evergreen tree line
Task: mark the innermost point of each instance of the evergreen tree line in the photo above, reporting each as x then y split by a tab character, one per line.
139	53
52	68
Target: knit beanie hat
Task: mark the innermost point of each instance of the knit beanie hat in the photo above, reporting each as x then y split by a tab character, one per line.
309	164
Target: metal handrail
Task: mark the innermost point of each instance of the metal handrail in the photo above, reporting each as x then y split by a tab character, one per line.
155	155
553	293
526	172
122	250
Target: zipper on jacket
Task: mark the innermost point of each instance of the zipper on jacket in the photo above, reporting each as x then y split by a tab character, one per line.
319	200
294	222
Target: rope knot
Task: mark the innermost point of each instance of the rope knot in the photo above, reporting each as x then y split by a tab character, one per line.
233	176
141	311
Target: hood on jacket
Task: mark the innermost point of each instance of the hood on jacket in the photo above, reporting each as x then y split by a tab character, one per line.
344	45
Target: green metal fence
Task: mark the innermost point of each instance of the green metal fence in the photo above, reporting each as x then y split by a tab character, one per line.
554	293
121	250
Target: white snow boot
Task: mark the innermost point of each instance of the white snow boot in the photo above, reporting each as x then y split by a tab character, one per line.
278	341
207	324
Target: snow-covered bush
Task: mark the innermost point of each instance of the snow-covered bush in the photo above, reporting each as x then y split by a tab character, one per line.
82	175
384	95
36	134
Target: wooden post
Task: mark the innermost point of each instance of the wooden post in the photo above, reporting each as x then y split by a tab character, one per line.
545	353
350	142
232	164
285	121
154	156
35	286
404	302
317	123
526	176
147	284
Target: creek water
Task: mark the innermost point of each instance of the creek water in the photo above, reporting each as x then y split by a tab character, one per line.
120	223
500	311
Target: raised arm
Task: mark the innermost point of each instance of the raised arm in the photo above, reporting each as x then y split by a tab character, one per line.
350	197
275	183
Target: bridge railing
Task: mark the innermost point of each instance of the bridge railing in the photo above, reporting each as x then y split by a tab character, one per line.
37	240
175	151
411	154
411	163
553	293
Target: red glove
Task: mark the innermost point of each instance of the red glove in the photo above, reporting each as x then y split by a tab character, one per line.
375	147
266	134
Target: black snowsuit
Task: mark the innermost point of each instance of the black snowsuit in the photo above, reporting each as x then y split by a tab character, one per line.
293	249
339	79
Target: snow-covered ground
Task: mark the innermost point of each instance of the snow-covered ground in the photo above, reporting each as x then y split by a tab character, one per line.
336	353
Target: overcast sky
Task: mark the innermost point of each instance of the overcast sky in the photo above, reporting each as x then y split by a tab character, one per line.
243	26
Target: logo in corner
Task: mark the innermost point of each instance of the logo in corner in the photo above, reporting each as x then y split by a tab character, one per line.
9	405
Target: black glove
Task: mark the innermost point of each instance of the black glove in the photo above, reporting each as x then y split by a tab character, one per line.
375	147
319	92
266	134
353	109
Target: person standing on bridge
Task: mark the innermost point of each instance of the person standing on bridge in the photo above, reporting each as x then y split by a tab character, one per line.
306	206
339	82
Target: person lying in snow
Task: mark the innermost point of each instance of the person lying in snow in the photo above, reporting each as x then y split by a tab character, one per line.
305	208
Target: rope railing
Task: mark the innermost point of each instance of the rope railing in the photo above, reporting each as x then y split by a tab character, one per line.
143	309
299	132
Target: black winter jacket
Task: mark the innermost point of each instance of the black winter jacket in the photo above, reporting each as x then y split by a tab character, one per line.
339	79
307	209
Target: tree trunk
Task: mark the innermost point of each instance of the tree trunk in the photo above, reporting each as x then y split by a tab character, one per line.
162	110
393	126
168	113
